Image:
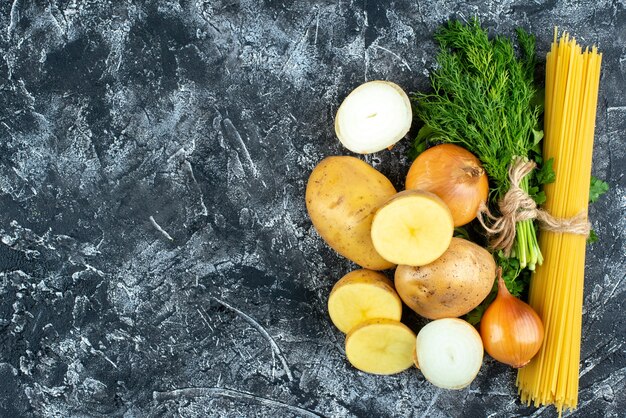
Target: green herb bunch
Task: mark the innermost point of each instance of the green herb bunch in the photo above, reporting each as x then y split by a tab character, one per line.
484	99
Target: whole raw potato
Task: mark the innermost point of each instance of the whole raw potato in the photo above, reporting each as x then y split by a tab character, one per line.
342	195
450	286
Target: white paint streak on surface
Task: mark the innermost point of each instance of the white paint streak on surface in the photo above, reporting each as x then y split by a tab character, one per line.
263	332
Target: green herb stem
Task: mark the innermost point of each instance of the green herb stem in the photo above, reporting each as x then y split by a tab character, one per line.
528	250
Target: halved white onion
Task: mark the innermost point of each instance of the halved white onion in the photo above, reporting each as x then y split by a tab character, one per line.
374	116
449	353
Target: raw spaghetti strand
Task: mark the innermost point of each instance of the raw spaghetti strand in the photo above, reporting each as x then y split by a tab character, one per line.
556	289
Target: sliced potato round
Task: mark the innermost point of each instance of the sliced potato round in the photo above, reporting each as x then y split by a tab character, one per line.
413	228
449	353
374	116
361	295
380	346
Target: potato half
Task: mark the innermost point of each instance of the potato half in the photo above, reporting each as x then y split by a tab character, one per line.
412	228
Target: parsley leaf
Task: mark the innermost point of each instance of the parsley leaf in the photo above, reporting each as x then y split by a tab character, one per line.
421	142
596	189
537	137
546	173
476	314
539	198
461	232
593	237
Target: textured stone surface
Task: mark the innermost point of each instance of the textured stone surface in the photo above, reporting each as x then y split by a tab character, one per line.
155	254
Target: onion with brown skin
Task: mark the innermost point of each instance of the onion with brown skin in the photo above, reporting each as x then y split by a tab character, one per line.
511	330
455	175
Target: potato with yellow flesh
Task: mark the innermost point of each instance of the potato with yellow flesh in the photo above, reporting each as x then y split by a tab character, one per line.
342	195
381	346
412	228
450	286
361	295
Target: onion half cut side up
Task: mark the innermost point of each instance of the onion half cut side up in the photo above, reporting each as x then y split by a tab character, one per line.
449	352
373	117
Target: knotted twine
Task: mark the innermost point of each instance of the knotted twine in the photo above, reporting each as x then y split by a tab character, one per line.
517	206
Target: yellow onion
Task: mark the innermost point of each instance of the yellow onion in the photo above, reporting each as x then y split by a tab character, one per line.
511	330
455	175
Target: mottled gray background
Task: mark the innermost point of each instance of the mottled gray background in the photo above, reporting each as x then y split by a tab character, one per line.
156	258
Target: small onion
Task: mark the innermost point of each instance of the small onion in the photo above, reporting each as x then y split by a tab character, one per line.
511	330
455	175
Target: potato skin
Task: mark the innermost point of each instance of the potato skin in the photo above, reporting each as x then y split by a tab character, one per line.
450	286
364	276
342	195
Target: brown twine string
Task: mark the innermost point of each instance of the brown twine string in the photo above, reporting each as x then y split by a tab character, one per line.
517	205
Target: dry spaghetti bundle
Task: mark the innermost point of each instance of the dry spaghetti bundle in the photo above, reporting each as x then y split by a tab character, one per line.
556	289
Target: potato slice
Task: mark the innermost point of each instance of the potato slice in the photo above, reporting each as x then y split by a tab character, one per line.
381	346
374	116
361	295
413	228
